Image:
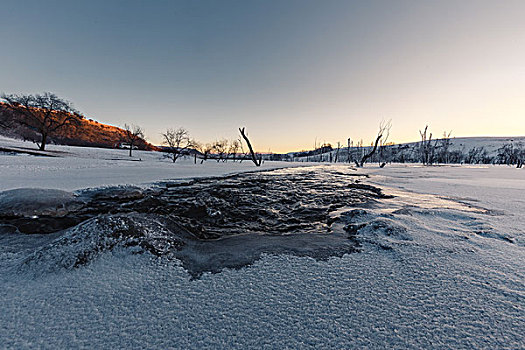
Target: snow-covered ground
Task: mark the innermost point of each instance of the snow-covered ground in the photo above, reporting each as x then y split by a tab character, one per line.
75	168
441	265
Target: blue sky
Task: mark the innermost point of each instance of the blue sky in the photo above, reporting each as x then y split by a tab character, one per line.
290	71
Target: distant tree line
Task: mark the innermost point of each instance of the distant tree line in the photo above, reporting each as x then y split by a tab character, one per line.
428	151
511	153
44	118
177	143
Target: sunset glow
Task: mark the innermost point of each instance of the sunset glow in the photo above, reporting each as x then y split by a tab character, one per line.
291	72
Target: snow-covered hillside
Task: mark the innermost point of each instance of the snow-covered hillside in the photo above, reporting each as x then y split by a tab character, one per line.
491	144
464	145
470	150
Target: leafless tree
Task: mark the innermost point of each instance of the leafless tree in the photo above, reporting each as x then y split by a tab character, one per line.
255	160
384	129
44	113
444	145
204	149
512	153
520	155
241	150
220	148
349	144
234	148
133	133
475	155
383	144
6	117
337	152
427	150
521	158
178	142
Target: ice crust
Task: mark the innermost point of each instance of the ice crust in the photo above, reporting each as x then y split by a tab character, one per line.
28	202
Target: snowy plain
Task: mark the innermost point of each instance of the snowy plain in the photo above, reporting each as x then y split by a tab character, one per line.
74	168
441	265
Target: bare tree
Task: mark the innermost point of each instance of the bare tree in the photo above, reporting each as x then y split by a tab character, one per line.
444	145
384	129
511	153
337	152
348	159
133	133
241	149
234	148
178	142
475	155
427	149
6	117
220	147
520	155
256	161
382	156
204	149
44	113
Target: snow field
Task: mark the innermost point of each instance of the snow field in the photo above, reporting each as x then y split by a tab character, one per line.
441	265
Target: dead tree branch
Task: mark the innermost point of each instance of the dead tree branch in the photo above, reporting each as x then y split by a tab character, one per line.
256	161
384	129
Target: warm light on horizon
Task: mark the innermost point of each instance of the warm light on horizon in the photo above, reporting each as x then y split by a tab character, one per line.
291	73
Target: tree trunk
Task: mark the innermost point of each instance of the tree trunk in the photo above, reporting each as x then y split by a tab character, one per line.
366	156
130	148
43	143
252	153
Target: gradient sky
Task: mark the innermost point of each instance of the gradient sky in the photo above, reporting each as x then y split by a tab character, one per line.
290	71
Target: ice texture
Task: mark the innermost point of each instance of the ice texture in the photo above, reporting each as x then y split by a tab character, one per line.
207	224
29	202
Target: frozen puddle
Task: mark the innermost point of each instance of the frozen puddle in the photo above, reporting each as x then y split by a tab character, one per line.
208	224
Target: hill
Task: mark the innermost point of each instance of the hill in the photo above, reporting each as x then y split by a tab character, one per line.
87	132
469	150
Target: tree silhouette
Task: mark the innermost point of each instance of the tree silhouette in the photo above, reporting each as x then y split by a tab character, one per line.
133	134
256	161
177	141
44	113
384	129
